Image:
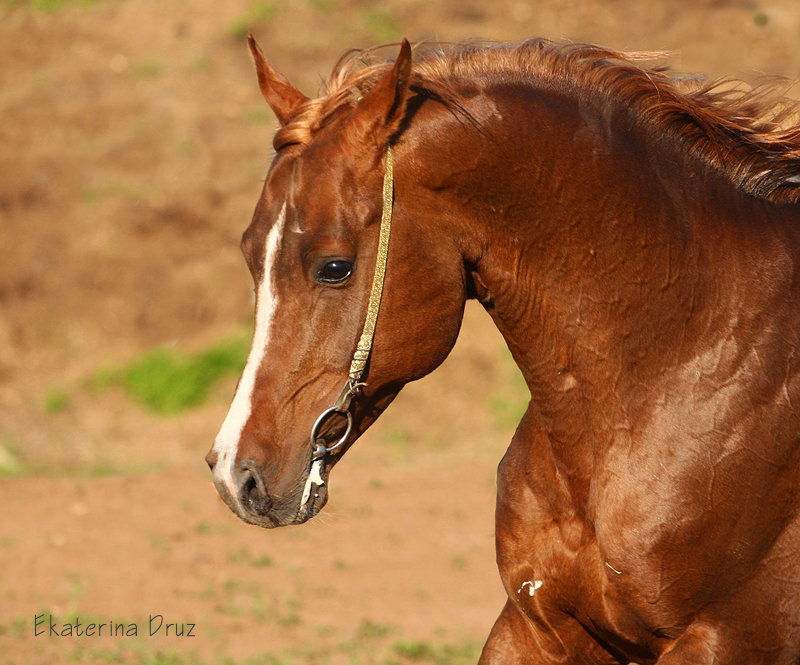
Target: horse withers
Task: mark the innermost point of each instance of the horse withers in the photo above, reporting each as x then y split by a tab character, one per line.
636	240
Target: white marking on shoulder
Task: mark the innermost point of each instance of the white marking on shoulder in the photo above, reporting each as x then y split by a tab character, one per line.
618	572
227	441
533	586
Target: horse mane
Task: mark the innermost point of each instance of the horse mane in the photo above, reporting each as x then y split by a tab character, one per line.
750	134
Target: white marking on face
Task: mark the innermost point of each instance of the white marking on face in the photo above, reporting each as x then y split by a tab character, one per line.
533	586
227	442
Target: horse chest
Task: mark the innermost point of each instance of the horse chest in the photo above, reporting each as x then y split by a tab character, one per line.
661	536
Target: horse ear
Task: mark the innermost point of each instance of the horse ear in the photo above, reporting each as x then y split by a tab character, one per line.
382	109
283	98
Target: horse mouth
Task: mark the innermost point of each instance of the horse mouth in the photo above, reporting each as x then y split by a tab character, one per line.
304	502
252	502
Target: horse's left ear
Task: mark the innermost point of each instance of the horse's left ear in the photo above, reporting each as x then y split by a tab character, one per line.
380	112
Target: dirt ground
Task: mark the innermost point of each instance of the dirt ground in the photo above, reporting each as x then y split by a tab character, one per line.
132	144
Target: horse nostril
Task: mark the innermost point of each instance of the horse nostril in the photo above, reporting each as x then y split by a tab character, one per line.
211	459
252	492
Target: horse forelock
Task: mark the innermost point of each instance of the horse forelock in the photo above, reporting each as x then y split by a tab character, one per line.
750	134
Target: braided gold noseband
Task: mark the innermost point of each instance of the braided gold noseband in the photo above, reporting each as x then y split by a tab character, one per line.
364	348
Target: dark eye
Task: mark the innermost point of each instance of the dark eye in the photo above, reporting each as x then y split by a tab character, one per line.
335	272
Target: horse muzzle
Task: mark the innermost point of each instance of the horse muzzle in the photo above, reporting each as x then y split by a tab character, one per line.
242	487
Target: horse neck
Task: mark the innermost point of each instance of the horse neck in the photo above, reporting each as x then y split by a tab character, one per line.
592	249
580	226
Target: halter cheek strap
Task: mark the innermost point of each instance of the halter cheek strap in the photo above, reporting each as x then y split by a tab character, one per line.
360	357
358	365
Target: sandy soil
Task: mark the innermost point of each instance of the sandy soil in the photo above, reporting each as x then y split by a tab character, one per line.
132	144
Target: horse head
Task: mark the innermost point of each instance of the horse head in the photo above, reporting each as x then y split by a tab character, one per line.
312	249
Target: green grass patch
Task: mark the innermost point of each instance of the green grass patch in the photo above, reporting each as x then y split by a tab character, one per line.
11	463
17	627
322	6
186	147
132	656
399	440
202	63
96	470
262	561
243	555
258	13
366	651
258	115
106	190
459	561
430	653
148	69
382	25
48	6
509	405
507	411
168	382
290	619
239	28
371	630
55	401
263	11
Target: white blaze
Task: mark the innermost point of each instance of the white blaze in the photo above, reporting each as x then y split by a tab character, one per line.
227	441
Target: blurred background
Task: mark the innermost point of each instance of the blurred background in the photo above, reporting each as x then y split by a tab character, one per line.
133	143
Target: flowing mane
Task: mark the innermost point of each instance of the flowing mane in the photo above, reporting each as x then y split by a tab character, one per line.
752	135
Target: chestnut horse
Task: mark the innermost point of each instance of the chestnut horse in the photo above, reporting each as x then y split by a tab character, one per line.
636	240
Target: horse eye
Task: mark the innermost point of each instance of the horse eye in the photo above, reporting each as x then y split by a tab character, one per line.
335	272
